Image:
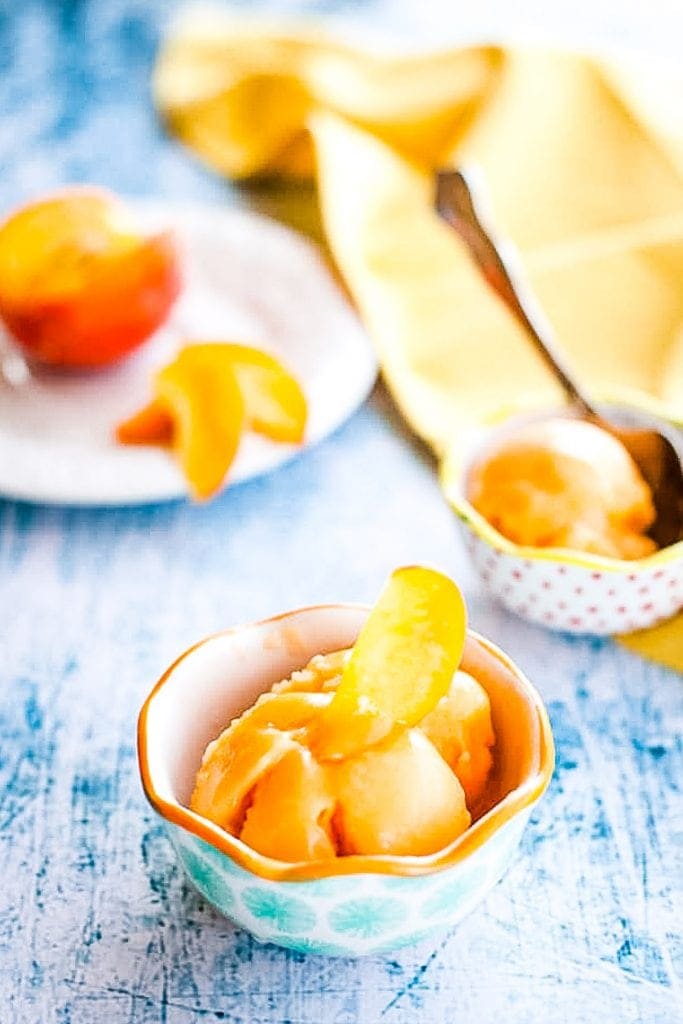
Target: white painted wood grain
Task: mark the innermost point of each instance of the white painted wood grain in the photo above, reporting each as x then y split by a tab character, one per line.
96	923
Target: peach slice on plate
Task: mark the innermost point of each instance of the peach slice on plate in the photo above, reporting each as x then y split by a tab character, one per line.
205	397
207	412
80	284
274	403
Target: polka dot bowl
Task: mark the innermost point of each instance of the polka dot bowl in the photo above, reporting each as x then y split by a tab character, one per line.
560	589
349	906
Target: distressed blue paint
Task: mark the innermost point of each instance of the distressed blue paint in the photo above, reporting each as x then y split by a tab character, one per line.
97	922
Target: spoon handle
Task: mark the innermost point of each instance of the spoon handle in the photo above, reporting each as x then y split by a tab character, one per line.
459	203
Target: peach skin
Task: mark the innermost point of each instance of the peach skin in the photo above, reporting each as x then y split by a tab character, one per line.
80	286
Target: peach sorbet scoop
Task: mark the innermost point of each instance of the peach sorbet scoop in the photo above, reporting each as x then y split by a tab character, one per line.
564	483
381	749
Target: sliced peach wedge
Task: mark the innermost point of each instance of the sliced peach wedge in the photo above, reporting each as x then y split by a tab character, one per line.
401	665
207	412
206	397
80	284
274	403
153	424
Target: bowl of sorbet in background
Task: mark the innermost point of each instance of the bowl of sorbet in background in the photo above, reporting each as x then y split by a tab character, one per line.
351	905
619	582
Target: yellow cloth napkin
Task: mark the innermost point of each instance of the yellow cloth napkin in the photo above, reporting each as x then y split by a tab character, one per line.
584	160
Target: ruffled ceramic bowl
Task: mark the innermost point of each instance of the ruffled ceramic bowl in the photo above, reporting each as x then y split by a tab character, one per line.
355	905
561	589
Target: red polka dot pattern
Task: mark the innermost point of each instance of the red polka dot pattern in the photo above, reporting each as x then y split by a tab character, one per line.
576	599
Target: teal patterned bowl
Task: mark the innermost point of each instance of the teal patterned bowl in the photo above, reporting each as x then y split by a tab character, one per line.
356	905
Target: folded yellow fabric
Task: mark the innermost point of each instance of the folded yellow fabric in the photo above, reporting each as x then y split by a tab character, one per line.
662	644
585	168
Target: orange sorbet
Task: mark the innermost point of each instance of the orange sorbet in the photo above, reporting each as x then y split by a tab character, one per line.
564	483
411	793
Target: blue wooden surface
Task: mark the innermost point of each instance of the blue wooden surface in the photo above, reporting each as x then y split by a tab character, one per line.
96	922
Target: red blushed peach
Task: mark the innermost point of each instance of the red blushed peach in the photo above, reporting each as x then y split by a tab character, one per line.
79	286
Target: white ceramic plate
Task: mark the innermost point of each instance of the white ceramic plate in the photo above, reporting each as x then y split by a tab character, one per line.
248	279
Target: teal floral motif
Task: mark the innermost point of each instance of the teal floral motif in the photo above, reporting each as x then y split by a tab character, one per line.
449	896
284	913
208	881
368	917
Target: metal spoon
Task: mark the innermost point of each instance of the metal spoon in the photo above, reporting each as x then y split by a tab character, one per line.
459	203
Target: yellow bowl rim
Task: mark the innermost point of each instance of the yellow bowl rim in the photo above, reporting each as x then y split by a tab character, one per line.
563	556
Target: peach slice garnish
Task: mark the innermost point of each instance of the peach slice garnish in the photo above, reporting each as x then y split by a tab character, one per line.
401	665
